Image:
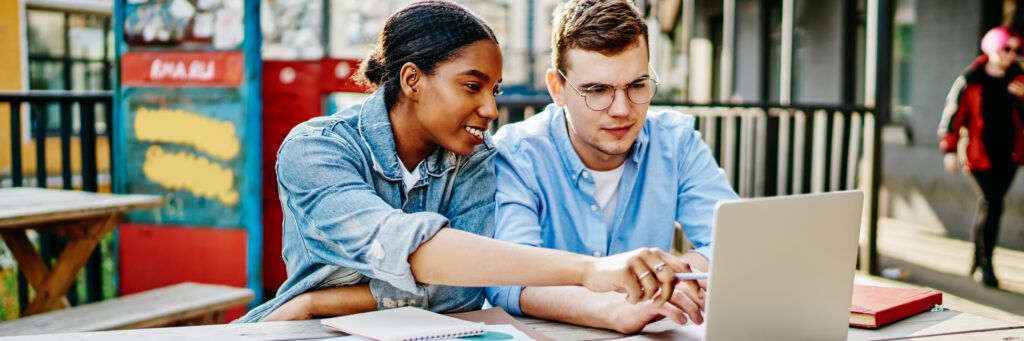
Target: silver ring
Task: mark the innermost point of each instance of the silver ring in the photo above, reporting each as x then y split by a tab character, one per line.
643	275
659	267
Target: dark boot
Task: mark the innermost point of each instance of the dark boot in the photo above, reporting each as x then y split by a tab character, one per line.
988	274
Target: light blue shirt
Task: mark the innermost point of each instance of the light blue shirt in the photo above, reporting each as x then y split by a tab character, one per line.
545	195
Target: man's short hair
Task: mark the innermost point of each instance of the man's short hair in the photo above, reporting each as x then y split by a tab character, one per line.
604	26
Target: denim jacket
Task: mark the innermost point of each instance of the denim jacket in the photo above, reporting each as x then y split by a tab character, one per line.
348	219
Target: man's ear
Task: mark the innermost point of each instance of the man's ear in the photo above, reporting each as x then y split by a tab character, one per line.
555	87
410	77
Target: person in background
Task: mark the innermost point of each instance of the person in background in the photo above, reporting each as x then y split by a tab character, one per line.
985	101
391	203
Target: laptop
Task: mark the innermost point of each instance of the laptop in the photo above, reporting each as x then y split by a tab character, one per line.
782	269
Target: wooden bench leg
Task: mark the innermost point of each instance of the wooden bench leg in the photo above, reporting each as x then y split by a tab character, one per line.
56	283
218	317
30	262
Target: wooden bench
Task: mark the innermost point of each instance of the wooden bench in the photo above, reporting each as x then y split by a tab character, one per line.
175	305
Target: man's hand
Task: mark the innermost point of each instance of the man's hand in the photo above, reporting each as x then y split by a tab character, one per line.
695	290
295	309
632	318
1016	88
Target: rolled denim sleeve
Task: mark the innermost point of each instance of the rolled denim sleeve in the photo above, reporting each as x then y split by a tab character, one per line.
390	297
341	219
470	209
702	185
516	218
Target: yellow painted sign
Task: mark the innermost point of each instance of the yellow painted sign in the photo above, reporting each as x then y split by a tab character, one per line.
211	136
192	173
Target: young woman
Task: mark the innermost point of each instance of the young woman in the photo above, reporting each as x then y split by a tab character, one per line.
986	100
399	191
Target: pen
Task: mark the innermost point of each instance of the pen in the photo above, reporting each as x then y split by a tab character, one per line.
691	276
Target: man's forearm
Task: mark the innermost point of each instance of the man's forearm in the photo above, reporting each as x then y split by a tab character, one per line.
339	301
574	305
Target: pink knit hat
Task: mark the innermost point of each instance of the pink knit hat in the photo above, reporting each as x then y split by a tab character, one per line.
996	39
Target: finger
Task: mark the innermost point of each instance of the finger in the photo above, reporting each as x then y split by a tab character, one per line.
666	278
691	308
630	284
691	290
703	283
677	264
673	313
646	279
650	281
673	265
634	293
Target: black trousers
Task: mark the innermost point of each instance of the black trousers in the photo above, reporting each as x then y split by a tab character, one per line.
993	185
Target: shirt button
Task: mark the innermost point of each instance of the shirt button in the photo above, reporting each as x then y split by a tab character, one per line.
593	208
586	175
597	253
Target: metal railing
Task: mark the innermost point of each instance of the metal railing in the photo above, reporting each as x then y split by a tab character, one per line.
767	149
30	130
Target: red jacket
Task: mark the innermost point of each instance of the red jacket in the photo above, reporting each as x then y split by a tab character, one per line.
963	110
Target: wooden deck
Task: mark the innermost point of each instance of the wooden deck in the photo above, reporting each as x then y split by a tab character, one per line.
933	260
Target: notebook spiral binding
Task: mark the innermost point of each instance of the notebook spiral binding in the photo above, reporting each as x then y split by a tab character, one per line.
446	335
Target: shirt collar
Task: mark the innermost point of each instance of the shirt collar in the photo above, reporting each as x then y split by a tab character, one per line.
570	160
375	130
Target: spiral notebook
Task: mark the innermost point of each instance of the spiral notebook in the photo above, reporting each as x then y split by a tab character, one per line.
406	323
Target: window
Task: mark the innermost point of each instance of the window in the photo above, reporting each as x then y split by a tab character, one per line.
69	51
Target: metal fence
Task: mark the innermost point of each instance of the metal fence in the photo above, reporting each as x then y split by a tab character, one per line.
766	149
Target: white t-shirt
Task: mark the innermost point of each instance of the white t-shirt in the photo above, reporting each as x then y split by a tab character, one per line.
410	178
606	191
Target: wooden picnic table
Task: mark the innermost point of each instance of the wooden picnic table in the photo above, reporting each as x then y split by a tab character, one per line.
935	325
84	217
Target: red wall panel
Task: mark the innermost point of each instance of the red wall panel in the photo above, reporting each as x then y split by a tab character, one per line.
153	256
291	95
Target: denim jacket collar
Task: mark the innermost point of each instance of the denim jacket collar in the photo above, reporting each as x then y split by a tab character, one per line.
375	130
571	161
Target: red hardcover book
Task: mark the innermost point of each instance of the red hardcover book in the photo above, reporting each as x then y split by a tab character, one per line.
874	307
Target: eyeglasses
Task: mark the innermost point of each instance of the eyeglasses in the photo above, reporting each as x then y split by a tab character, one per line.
600	96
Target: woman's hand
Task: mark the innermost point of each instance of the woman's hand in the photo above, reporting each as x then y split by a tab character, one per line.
640	274
951	163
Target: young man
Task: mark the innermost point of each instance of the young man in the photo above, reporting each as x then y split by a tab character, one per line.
595	174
